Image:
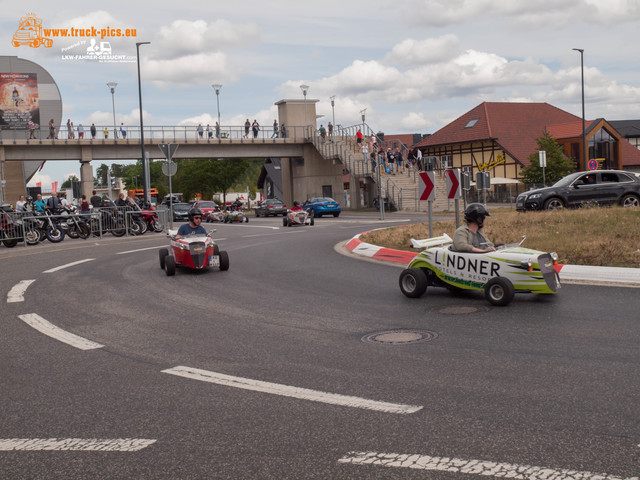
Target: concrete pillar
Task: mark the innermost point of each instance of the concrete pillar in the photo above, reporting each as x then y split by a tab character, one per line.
287	181
14	177
354	191
86	172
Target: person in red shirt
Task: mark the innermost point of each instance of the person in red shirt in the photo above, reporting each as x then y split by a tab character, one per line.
296	206
359	136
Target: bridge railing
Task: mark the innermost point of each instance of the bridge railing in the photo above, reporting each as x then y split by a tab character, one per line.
161	133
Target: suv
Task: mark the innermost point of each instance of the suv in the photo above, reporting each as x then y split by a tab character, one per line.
603	187
271	206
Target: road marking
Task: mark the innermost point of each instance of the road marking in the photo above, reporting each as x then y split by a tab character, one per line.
49	329
139	250
68	265
16	294
472	467
289	391
75	444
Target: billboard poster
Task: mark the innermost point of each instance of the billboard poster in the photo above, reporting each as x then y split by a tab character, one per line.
19	104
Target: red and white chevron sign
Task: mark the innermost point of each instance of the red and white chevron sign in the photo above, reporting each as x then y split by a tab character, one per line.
452	176
426	186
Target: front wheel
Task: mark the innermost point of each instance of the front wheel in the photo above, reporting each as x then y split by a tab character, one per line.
32	236
413	282
246	219
55	234
311	222
170	265
224	260
630	201
284	222
553	204
336	214
499	291
163	254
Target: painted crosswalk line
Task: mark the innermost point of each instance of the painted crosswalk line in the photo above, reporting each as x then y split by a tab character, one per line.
75	444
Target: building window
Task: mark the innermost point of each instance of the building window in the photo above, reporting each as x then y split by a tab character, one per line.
472	122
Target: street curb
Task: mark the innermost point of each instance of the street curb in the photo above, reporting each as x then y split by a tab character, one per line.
576	274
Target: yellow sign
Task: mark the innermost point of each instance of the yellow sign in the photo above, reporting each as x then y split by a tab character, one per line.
491	164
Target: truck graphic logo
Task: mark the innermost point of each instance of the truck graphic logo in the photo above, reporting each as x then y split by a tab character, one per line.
30	33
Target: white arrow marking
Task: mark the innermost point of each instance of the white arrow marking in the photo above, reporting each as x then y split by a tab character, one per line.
472	467
68	265
49	329
16	294
289	391
75	444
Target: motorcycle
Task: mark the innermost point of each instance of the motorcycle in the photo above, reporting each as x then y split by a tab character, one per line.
74	225
9	234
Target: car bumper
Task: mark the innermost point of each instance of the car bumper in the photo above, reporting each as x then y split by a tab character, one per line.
526	205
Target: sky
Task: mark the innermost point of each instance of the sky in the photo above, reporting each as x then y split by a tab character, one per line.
414	65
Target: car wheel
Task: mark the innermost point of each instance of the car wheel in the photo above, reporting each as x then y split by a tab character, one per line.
553	204
224	261
630	201
289	223
499	291
170	265
336	214
216	250
257	213
163	255
413	282
284	222
311	222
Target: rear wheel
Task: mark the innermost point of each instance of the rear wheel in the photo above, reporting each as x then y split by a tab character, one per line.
284	222
163	253
553	204
499	291
224	260
170	265
311	222
84	231
630	201
55	235
336	214
413	282
156	226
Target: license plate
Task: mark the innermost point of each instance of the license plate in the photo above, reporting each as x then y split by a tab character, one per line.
214	260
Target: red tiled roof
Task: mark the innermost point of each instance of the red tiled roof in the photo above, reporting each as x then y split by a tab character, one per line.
569	130
630	154
515	126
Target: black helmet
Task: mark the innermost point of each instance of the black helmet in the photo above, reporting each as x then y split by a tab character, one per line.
296	203
476	212
193	212
29	198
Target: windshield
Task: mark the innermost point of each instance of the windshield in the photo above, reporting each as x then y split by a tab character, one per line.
563	182
207	205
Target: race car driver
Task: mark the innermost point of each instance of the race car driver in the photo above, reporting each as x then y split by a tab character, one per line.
469	237
194	226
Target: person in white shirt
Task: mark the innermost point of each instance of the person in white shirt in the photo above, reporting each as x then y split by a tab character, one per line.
20	204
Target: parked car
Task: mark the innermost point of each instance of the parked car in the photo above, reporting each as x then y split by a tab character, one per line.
181	212
318	206
207	206
602	187
271	206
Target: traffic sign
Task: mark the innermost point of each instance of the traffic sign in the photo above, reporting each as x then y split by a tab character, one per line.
168	149
452	176
593	164
169	168
427	186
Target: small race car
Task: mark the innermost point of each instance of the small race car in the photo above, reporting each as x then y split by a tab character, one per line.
297	217
499	274
196	252
235	216
214	216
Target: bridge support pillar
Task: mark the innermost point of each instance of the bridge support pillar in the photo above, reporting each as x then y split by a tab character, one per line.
86	172
354	191
287	181
13	176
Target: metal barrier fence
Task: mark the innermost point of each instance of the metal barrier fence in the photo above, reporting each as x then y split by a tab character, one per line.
31	227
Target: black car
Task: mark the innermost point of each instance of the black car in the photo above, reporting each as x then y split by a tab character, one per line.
599	187
271	206
181	212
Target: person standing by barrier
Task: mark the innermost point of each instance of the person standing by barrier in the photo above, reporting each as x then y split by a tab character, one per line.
80	131
123	131
399	160
84	205
52	129
255	127
247	126
96	201
217	130
40	203
200	130
365	151
283	131
330	128
359	137
275	129
94	130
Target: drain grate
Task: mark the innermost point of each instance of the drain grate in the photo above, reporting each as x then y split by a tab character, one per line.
461	309
400	337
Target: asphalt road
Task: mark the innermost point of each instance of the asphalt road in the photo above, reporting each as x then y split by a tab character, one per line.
547	382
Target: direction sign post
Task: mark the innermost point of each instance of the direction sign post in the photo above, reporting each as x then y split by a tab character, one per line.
169	169
428	192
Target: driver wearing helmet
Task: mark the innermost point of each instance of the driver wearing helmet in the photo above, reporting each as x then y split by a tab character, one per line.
469	237
296	206
194	226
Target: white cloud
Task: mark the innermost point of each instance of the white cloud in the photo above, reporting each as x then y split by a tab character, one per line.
415	122
412	52
190	70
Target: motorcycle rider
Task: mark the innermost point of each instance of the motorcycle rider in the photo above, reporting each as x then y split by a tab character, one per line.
194	226
469	237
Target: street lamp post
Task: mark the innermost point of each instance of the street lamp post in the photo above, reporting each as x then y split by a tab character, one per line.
305	89
333	111
145	190
584	139
217	88
363	122
112	86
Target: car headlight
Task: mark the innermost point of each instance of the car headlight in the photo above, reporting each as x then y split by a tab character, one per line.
554	257
528	264
535	195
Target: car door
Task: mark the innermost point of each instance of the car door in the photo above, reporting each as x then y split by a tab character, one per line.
611	187
582	190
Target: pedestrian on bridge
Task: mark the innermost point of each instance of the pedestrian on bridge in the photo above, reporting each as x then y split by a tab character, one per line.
283	131
93	131
247	126
123	131
80	131
255	127
330	128
275	129
359	136
200	130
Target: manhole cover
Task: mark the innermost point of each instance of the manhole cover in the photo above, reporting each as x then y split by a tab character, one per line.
461	309
400	337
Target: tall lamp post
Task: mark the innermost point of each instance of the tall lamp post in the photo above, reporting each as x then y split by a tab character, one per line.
217	88
305	89
112	86
145	190
333	111
584	138
362	112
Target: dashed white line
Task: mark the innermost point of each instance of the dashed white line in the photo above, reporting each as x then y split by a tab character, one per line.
49	329
75	444
61	267
139	250
289	391
16	294
472	467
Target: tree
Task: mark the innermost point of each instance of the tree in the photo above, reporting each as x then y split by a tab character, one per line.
558	164
101	175
208	176
68	182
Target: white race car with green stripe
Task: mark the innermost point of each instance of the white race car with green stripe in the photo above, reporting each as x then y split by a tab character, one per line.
500	274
